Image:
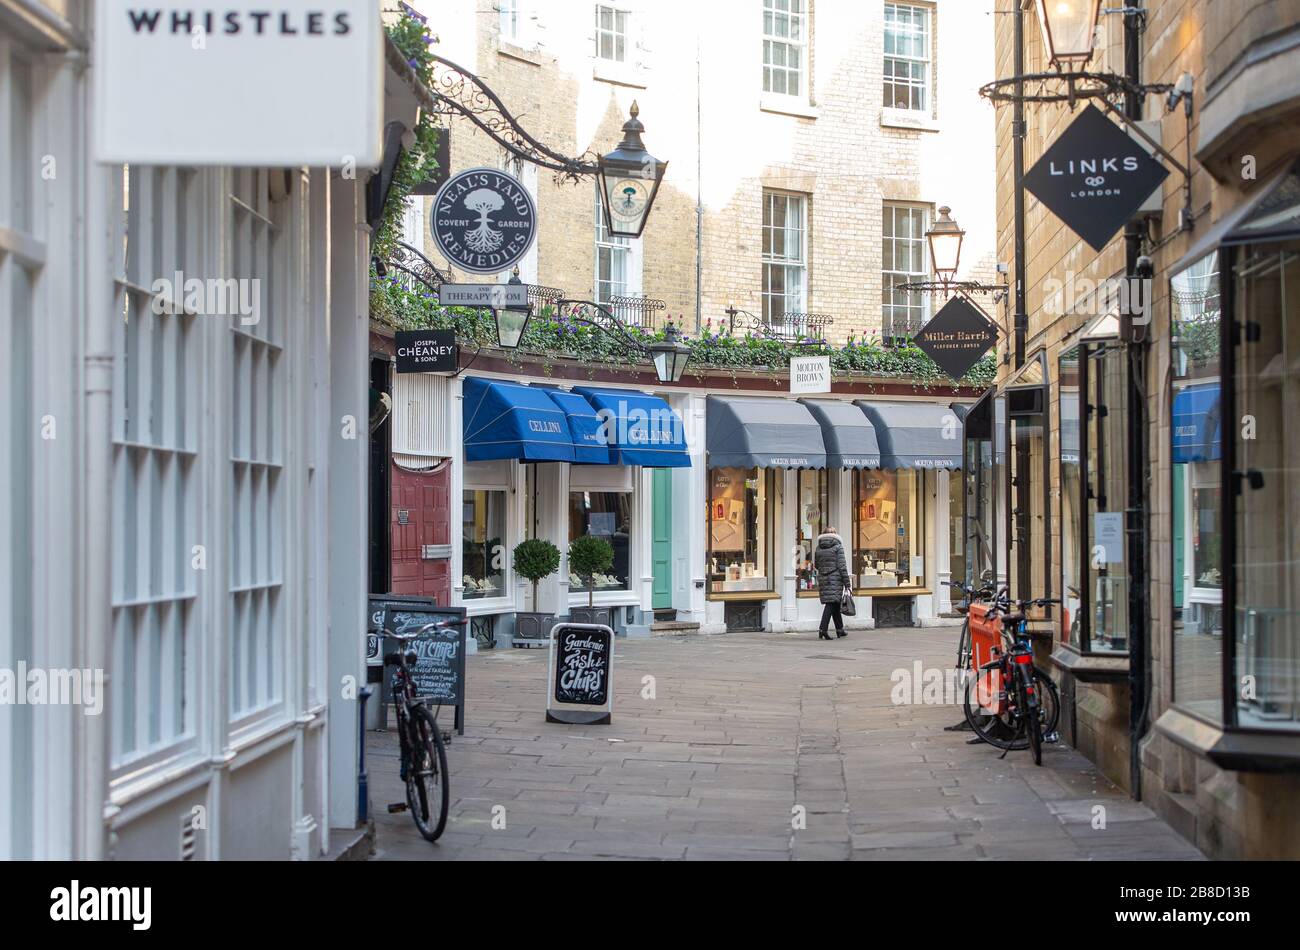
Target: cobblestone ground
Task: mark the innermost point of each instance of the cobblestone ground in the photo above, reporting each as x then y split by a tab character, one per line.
743	728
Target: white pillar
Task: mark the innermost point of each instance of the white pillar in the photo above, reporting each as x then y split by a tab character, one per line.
690	502
348	486
786	542
939	566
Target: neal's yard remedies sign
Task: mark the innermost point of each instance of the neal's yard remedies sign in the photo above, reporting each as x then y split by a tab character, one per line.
1095	177
810	374
280	85
440	670
957	337
426	351
580	669
484	221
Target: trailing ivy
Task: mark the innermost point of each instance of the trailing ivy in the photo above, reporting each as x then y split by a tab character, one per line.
551	338
410	34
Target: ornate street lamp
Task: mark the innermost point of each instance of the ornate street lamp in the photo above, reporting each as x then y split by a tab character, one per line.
670	355
512	320
1069	30
629	181
945	239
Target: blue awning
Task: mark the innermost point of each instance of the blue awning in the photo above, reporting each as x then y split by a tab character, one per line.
640	429
589	446
504	420
1197	425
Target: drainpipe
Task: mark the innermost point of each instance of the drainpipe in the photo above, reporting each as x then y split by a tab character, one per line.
1020	320
1136	517
699	192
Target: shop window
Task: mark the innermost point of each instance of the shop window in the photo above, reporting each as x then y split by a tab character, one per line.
978	480
483	546
740	521
956	526
1264	426
814	505
889	528
784	47
608	515
1196	453
1028	519
1105	560
1071	498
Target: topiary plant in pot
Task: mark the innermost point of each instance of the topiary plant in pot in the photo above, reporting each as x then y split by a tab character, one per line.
535	560
589	556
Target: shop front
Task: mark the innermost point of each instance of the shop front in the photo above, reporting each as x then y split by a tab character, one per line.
558	464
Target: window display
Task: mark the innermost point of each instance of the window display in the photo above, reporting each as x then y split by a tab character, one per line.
483	545
888	528
1106	568
605	515
1196	452
1071	500
740	530
814	502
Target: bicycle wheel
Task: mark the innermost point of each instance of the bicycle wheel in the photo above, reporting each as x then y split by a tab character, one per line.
1007	729
428	793
1033	715
963	648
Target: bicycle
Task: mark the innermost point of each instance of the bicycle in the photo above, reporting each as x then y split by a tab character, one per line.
970	594
1020	707
423	746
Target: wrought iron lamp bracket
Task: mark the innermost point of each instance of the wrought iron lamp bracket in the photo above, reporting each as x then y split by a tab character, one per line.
592	314
457	91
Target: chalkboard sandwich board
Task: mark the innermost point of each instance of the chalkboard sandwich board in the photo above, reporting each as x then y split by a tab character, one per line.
580	672
439	671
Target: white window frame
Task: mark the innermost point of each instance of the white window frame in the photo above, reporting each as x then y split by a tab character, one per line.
526	172
158	475
614	34
628	249
919	303
517	25
919	25
788	263
796	16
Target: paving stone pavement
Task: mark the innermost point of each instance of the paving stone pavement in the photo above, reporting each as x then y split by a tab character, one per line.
744	734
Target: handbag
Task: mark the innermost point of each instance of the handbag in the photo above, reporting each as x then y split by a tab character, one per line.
847	607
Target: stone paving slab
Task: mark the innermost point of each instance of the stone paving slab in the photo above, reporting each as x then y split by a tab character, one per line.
755	747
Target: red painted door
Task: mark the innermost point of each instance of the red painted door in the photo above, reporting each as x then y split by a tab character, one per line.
421	518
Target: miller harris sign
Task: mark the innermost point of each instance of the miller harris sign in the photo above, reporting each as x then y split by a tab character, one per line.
1095	177
270	85
957	338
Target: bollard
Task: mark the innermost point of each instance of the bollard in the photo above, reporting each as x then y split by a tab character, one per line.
363	780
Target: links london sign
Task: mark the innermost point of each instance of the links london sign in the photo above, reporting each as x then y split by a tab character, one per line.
1095	177
274	85
484	221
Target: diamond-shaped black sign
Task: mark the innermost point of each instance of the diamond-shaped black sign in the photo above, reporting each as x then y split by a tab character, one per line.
957	337
1095	177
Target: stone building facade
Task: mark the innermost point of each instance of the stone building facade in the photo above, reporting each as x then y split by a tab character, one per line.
817	138
1219	769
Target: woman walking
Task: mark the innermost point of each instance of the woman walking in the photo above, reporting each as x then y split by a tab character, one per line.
833	580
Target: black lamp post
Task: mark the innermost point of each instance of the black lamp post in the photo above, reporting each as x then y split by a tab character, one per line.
629	181
512	319
1069	30
670	355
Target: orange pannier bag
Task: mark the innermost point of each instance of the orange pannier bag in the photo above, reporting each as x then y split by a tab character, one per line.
985	636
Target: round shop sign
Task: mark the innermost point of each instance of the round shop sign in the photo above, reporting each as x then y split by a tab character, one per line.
484	221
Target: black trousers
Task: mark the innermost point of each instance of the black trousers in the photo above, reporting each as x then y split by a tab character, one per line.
829	612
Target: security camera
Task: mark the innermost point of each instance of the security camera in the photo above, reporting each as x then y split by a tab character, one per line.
1144	267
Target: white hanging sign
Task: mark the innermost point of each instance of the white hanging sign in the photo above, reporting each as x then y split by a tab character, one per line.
280	85
810	374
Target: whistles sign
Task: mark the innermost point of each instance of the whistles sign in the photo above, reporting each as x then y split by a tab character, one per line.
1095	177
277	85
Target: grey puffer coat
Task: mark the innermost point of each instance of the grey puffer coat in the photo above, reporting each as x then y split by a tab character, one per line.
832	568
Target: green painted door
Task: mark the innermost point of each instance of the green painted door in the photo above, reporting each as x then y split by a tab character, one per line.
662	544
